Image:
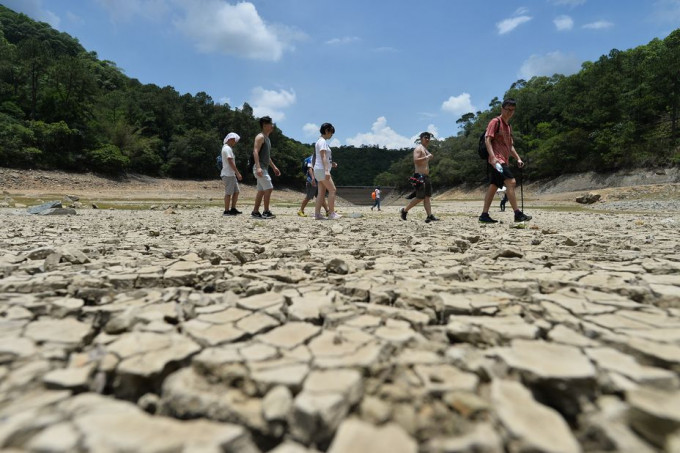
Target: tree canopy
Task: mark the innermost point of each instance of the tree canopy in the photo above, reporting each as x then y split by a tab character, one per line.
63	108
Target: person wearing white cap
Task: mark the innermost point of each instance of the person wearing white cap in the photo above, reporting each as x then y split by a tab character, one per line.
230	175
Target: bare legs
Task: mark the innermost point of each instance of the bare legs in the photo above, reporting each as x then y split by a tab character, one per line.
230	201
262	195
325	185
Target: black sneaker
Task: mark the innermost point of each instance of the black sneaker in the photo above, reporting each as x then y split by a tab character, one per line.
486	218
234	211
522	217
255	215
268	215
431	218
227	213
403	214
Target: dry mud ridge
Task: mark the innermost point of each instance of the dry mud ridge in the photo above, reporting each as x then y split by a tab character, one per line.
145	331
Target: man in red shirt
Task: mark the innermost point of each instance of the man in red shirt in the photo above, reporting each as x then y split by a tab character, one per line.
500	146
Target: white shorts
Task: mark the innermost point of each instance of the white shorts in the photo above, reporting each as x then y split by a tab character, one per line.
230	185
264	182
320	175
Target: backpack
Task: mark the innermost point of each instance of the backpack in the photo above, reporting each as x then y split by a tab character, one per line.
305	165
481	148
219	162
373	195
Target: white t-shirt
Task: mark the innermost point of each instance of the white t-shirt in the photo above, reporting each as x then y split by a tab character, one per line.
227	153
377	194
321	143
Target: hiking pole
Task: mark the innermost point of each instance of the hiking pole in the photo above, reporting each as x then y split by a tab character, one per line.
521	186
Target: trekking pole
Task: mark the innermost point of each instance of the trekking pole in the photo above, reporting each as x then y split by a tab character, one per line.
521	186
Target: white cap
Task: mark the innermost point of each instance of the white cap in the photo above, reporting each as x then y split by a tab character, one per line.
233	135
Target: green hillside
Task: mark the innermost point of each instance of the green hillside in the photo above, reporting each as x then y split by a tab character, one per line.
619	112
63	108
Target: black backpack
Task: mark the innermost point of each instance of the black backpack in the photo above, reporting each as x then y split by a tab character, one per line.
481	148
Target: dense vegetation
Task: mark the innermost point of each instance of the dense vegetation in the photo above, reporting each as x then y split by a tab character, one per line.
619	112
63	108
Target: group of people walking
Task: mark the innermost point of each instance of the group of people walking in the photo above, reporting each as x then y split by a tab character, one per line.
319	182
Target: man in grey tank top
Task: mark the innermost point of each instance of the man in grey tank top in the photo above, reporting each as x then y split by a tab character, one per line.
262	158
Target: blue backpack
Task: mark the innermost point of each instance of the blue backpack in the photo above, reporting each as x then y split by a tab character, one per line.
219	161
306	162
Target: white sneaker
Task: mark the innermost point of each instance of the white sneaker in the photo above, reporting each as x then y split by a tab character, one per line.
319	217
334	216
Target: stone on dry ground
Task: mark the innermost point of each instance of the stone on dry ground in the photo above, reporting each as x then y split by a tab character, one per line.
144	331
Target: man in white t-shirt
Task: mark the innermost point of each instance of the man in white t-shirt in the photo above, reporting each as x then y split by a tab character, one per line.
230	175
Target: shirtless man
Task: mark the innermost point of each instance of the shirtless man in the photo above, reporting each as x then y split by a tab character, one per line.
421	157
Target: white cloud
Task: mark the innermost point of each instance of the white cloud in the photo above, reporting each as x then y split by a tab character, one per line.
343	40
381	135
459	105
563	23
214	26
270	102
310	130
508	25
667	11
549	64
335	143
237	29
35	10
599	25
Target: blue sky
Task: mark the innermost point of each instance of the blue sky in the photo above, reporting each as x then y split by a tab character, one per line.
380	71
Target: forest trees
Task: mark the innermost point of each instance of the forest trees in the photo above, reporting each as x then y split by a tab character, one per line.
63	108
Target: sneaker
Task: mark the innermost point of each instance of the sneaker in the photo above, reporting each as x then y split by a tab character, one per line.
268	215
255	215
301	214
403	214
334	216
486	218
431	218
235	211
319	217
522	217
227	213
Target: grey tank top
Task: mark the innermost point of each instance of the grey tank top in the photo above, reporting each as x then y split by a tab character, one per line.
265	153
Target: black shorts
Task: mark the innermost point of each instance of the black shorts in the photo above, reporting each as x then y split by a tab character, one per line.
424	190
498	179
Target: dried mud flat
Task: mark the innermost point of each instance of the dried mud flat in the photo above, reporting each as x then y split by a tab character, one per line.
182	330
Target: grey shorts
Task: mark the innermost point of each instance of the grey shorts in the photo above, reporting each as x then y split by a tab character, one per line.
310	190
230	185
264	182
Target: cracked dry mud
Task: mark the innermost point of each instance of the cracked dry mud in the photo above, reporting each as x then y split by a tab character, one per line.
148	331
